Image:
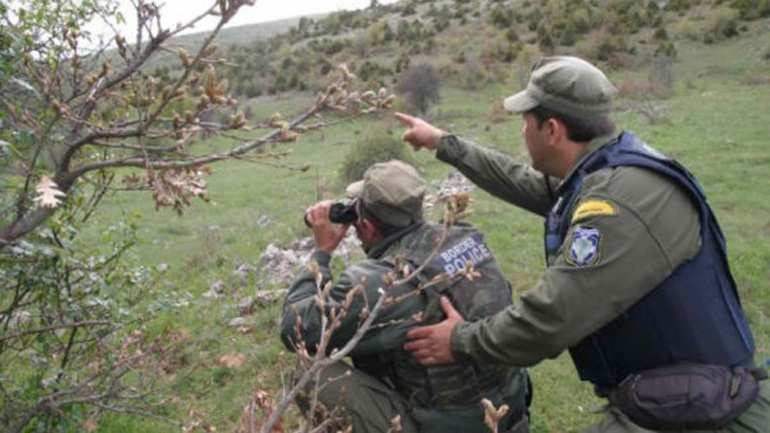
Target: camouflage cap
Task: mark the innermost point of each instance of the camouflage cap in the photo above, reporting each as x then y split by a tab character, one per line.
567	85
392	191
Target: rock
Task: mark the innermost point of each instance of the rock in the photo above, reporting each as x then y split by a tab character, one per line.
241	274
216	290
239	322
277	265
455	183
245	306
267	297
263	222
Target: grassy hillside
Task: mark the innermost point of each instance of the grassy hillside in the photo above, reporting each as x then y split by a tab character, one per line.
474	42
711	117
229	36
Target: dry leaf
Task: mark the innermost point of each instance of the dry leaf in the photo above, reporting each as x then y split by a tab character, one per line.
493	415
90	425
48	194
231	360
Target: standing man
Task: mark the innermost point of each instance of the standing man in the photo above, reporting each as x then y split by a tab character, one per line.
637	285
385	380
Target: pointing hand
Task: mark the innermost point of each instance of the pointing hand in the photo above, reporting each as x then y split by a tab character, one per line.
421	133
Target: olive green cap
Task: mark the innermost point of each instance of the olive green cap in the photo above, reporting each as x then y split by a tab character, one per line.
392	192
567	85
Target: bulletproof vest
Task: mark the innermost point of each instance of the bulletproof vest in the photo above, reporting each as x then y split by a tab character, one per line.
694	315
485	294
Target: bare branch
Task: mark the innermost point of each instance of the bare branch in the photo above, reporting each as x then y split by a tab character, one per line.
322	361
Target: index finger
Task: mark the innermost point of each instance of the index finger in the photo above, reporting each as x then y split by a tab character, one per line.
319	210
409	120
419	333
416	345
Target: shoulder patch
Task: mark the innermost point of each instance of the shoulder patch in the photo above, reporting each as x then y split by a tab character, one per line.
593	207
584	247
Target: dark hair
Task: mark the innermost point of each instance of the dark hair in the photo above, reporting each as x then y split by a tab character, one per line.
384	228
580	130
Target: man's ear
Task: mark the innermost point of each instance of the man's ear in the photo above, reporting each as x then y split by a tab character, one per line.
556	130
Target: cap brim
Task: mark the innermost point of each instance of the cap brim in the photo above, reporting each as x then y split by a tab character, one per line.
520	102
354	190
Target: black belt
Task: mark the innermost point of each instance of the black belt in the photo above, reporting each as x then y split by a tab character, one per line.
759	373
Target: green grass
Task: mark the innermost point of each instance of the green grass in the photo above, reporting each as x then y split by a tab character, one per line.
717	127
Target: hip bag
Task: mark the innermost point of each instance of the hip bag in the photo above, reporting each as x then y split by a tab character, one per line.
687	396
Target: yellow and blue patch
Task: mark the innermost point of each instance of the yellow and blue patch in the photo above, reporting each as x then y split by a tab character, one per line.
593	207
584	247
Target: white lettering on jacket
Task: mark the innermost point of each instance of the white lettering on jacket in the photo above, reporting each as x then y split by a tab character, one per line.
471	250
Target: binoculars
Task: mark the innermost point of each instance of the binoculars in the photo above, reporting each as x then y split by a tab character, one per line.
341	212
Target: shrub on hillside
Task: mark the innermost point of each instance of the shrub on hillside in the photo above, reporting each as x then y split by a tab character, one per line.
678	5
378	145
421	86
501	17
472	75
610	45
722	24
686	30
752	9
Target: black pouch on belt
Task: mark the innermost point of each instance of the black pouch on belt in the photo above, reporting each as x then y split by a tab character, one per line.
687	396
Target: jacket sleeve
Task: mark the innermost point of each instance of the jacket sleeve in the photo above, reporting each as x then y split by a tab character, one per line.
499	174
301	311
653	230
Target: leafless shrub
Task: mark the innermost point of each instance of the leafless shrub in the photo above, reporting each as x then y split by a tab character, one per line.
421	84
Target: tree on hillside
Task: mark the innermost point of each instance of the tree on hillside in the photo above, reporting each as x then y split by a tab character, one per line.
421	85
79	119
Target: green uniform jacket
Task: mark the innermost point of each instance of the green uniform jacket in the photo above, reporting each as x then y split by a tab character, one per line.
654	229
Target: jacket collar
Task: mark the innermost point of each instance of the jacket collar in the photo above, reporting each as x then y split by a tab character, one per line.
592	147
379	250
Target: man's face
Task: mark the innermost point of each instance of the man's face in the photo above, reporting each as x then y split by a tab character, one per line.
360	226
536	138
364	234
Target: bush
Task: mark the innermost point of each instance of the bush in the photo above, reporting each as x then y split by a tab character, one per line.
610	45
378	145
421	85
687	30
500	17
723	24
472	75
752	9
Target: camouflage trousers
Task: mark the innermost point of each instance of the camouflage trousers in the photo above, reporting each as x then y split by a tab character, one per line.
370	406
755	420
357	399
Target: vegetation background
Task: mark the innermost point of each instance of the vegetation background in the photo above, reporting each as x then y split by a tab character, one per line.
694	77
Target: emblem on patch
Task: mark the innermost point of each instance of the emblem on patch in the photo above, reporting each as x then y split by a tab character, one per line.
594	207
584	249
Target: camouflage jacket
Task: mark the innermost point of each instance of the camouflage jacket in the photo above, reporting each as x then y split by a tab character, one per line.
380	352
